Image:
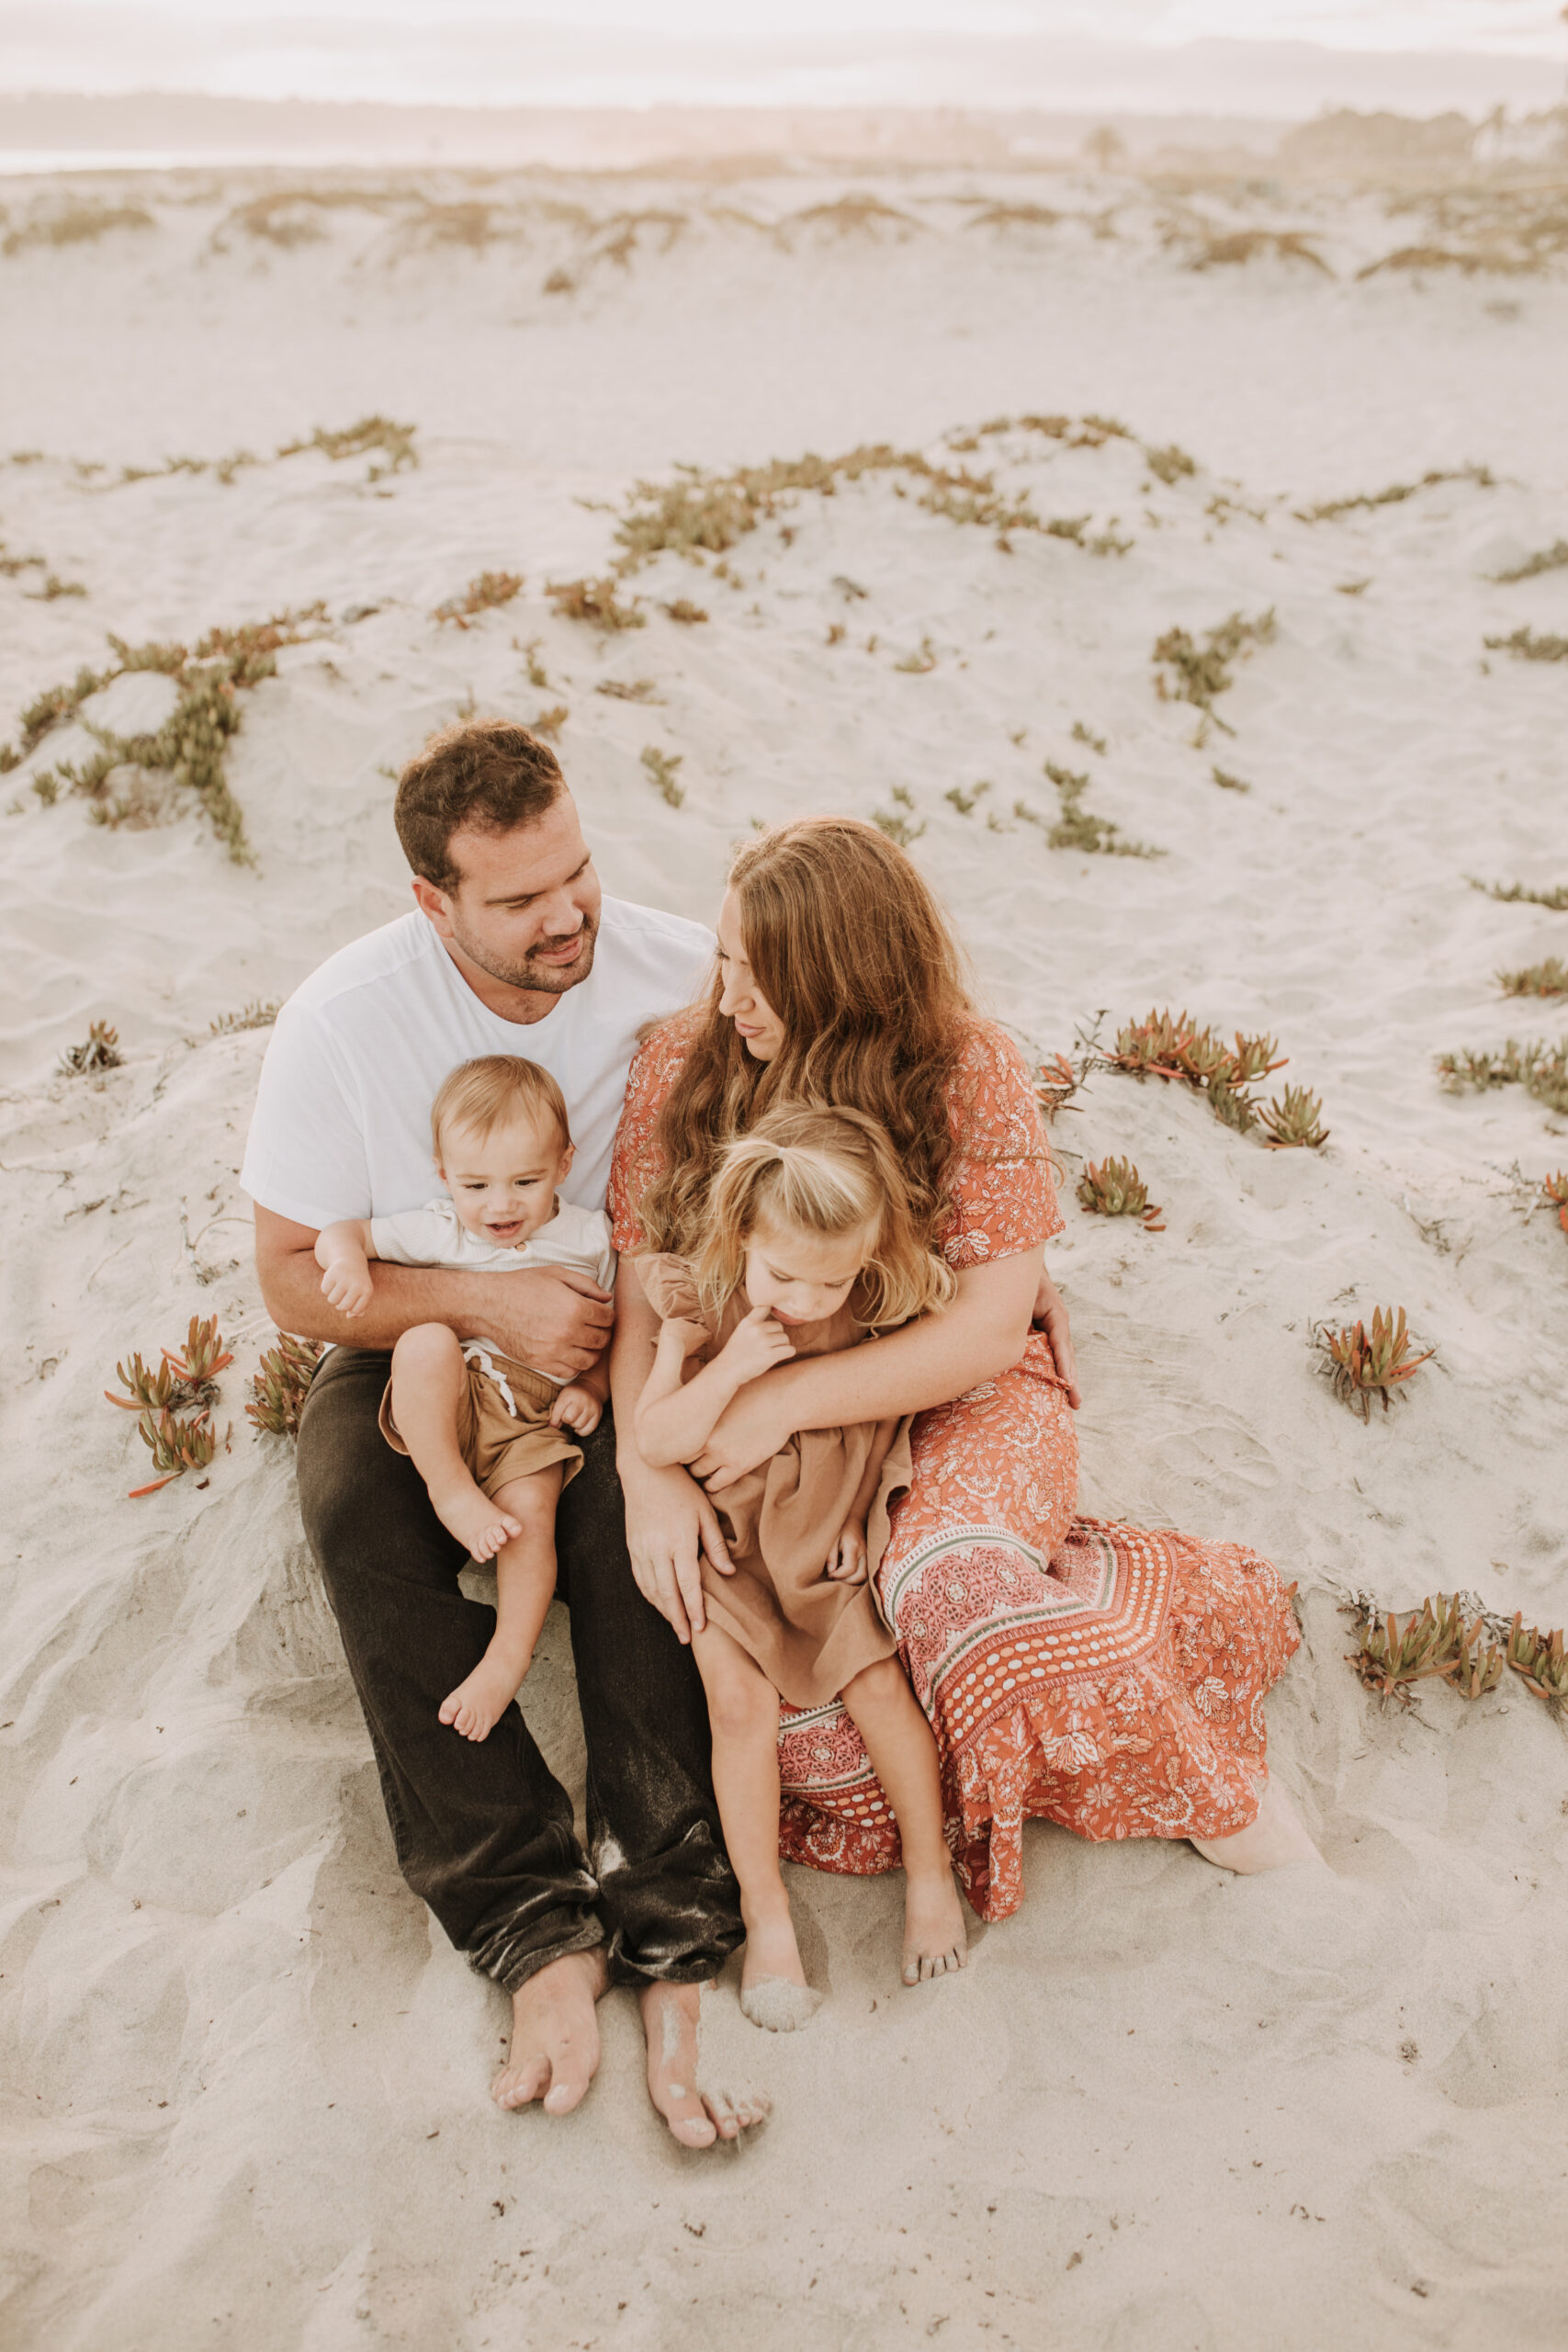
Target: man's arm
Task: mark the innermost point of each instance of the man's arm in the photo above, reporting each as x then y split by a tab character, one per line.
550	1316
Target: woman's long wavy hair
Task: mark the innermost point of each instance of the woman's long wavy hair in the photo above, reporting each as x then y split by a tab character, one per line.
855	956
828	1173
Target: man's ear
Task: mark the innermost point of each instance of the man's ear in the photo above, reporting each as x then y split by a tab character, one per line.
433	904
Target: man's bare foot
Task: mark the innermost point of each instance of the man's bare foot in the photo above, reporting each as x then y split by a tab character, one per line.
482	1698
935	1942
1277	1835
554	2036
467	1512
774	1990
696	2118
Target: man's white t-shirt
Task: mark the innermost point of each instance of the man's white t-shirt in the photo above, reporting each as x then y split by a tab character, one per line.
342	1123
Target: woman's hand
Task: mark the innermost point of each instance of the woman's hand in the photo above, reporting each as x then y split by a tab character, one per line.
1051	1316
755	1425
849	1561
755	1346
670	1528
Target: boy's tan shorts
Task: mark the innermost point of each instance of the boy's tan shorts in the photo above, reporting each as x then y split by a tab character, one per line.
496	1445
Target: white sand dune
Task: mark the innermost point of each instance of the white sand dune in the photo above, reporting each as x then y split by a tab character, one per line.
1162	2109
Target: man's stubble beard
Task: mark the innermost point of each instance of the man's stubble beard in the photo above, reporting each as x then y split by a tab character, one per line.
543	980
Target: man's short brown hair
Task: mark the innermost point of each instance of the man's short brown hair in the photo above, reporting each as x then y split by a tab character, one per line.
483	772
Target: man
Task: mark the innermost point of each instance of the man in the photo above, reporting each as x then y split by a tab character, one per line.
511	948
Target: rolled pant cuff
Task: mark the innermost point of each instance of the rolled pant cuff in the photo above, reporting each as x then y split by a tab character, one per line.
510	1961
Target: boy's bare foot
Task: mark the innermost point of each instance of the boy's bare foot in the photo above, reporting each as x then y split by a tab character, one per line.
935	1940
1275	1836
696	2118
774	1990
479	1703
554	2035
467	1512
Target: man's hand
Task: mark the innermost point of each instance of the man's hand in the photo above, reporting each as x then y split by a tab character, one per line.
577	1409
755	1346
751	1429
849	1560
1051	1316
670	1525
551	1317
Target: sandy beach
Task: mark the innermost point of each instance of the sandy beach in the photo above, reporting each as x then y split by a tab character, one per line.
1163	2108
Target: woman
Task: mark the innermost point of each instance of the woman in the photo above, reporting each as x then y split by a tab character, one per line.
1073	1670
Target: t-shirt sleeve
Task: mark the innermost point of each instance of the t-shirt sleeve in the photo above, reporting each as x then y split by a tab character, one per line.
412	1238
304	1153
1002	1197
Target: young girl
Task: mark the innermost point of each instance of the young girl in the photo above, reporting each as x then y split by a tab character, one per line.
810	1247
492	1438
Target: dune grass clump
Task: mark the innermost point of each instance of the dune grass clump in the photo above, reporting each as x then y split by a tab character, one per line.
1076	827
895	821
258	1014
681	609
548	723
99	1050
1227	250
1516	893
1551	559
629	690
662	768
1526	646
1191	672
1294	1122
1228	783
1438	1644
1547	978
483	595
1396	493
1159	1046
595	601
82	220
281	1384
1082	734
1541	1069
1115	1188
381	438
1363	1364
1170	464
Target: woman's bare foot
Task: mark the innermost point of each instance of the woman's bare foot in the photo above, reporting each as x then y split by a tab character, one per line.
935	1942
467	1512
774	1990
696	2119
482	1698
554	2036
1275	1836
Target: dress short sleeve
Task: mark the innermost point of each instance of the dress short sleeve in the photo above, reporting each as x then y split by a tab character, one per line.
637	1159
671	1291
1003	1201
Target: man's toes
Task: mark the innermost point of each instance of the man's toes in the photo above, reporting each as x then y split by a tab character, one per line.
565	2094
517	2085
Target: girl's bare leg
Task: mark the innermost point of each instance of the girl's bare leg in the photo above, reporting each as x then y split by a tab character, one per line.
428	1378
525	1586
1275	1836
903	1754
743	1710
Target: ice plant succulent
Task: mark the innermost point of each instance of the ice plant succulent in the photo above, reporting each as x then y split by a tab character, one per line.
1160	1047
282	1384
1365	1364
1436	1644
1115	1188
1294	1121
100	1051
1538	1658
176	1446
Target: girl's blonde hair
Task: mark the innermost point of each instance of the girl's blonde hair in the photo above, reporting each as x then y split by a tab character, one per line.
825	1172
479	1094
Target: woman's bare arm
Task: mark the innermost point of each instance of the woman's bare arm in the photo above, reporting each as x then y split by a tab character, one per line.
981	1333
670	1525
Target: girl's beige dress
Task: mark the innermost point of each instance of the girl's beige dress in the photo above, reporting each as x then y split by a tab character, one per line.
809	1633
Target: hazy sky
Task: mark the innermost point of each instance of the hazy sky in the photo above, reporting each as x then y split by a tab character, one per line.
799	51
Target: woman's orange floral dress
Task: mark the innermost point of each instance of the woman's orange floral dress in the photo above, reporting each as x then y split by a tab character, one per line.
1074	1669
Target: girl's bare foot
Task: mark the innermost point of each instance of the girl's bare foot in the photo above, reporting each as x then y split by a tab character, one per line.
467	1512
696	2119
554	2036
774	1990
1275	1836
479	1703
935	1942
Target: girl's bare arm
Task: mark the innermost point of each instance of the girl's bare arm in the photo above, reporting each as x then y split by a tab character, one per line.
675	1417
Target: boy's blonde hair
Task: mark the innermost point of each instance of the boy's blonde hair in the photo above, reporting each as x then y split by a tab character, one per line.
479	1094
826	1172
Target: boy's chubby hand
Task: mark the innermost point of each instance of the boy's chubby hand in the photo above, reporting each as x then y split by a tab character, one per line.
756	1345
347	1286
849	1560
576	1408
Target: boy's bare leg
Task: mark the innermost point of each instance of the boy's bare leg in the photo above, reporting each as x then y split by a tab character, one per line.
1275	1836
903	1754
743	1710
429	1374
525	1586
554	2035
